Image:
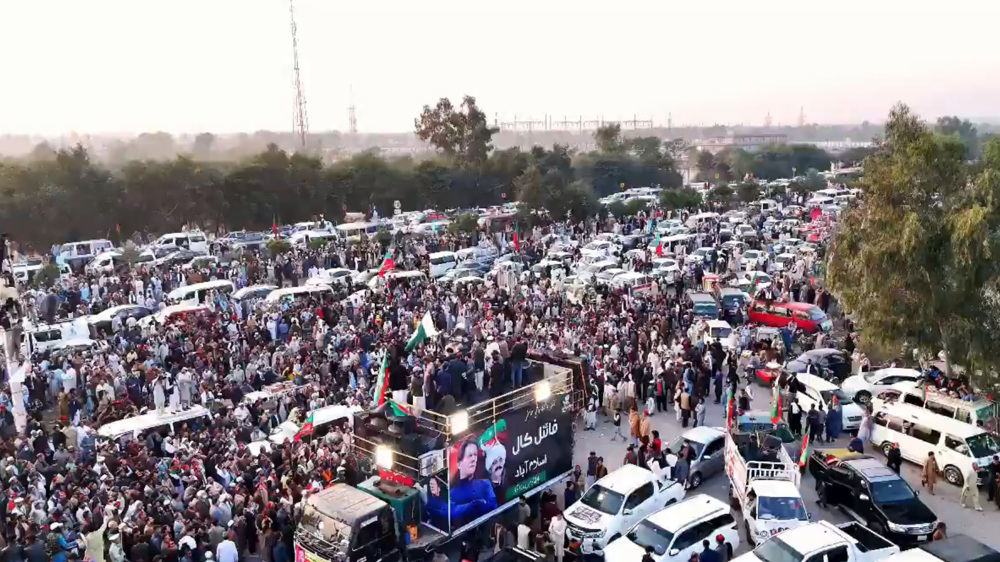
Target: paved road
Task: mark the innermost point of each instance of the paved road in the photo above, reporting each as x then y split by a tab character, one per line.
984	526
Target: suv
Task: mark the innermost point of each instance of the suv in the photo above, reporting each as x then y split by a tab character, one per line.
677	531
617	501
872	494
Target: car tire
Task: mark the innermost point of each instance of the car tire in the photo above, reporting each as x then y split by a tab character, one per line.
953	475
886	447
695	480
863	397
879	529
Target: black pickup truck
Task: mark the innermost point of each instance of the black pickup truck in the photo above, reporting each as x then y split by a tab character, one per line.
872	494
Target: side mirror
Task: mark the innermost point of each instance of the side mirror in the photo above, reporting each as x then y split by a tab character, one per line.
864	497
674	552
627	511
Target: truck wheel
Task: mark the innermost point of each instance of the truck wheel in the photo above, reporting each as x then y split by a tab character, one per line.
953	475
886	447
695	480
863	397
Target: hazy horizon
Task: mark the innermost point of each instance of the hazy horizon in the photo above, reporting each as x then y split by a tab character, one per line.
224	66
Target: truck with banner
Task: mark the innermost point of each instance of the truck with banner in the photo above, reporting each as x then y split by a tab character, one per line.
441	476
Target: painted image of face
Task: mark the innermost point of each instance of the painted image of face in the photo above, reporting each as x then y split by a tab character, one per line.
467	464
496	470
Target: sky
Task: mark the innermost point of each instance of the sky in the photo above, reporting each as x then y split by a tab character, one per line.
187	66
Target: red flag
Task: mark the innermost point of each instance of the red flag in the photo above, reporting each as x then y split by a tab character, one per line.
274	228
517	240
387	264
659	246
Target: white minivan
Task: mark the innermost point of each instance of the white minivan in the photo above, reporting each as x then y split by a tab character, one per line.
676	532
194	241
198	292
441	263
979	412
957	446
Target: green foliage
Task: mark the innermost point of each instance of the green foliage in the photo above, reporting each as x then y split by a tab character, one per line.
278	246
462	134
961	130
130	253
769	163
384	237
722	194
466	223
46	276
617	209
634	206
680	198
916	262
748	191
608	139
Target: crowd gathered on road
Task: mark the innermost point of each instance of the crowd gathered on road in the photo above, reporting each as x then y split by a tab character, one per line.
231	365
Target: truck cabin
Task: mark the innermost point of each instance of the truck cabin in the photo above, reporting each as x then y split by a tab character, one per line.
343	522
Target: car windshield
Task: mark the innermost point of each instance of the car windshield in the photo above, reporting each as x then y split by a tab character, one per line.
982	445
987	415
721	332
675	446
891	491
646	534
603	500
816	314
777	550
781	509
840	394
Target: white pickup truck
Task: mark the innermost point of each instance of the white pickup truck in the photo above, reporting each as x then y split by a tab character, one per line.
823	541
763	485
617	502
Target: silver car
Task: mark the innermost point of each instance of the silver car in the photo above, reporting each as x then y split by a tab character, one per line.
708	444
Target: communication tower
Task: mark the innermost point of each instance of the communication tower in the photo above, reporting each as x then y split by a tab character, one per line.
301	118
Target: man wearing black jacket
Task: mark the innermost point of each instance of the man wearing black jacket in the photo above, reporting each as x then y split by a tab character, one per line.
518	357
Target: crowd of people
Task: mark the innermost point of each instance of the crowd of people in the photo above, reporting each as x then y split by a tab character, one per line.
201	493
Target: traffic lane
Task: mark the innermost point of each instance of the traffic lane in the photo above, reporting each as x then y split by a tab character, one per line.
945	504
717	486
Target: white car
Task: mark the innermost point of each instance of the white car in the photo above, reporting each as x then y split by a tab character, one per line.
861	388
718	329
821	392
333	276
617	502
677	531
785	261
698	256
665	267
752	281
753	260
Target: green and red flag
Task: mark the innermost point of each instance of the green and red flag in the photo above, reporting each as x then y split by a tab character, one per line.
730	407
382	382
307	428
387	264
425	329
659	246
804	455
517	240
776	403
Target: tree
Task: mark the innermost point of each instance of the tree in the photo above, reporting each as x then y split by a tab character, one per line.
963	130
462	134
130	253
748	191
466	223
915	262
608	139
203	144
721	194
680	198
617	209
705	162
634	206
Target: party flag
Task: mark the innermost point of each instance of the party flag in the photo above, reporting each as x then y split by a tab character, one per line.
307	428
425	329
387	264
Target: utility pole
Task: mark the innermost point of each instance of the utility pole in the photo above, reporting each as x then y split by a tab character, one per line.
352	116
301	119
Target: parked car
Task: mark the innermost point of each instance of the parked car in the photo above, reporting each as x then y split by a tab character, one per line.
833	365
861	388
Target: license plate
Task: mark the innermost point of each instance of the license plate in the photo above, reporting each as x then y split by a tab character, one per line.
921	537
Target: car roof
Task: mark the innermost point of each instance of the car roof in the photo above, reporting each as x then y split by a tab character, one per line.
810	538
910	412
898	371
682	514
703	434
626	478
718	324
871	469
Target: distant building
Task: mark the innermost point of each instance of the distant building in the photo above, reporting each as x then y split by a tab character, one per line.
750	142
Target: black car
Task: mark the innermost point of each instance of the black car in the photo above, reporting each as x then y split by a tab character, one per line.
833	365
873	494
102	321
180	257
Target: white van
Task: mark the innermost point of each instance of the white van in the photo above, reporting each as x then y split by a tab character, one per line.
198	292
44	337
194	241
354	230
441	263
979	412
695	221
478	254
634	282
104	262
290	293
136	425
24	272
957	446
76	254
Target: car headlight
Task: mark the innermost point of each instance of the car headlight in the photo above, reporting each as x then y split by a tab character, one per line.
896	528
